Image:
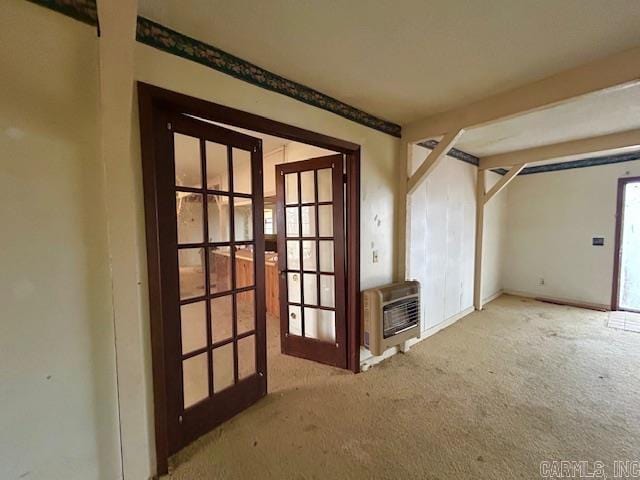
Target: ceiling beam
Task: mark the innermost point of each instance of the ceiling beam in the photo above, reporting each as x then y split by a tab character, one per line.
602	143
432	160
613	72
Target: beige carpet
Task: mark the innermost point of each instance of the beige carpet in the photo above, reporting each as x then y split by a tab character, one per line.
488	398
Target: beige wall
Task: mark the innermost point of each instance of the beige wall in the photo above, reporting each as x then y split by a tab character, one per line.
57	368
551	220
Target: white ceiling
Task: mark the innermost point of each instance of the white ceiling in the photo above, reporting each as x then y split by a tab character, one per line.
583	117
405	59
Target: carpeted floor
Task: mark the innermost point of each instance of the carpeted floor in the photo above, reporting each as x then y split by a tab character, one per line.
487	398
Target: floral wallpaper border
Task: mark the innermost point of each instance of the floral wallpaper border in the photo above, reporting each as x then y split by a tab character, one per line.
84	10
587	162
163	38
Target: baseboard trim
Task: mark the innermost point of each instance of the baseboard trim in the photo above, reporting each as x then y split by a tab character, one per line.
600	307
491	298
371	360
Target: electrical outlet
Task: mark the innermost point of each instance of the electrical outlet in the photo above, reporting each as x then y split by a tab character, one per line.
541	281
375	256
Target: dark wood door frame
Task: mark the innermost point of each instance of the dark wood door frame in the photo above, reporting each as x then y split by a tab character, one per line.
615	291
152	101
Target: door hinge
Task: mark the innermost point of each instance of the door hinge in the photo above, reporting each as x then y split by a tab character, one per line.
169	126
180	419
344	178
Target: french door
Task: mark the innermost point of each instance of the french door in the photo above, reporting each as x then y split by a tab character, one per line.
211	260
311	260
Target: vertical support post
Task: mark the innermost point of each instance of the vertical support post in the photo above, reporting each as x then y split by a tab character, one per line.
121	167
480	197
403	224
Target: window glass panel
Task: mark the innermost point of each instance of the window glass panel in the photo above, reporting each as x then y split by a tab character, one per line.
221	318
319	324
324	185
193	326
291	188
246	357
327	291
244	266
325	220
245	302
217	167
222	359
310	289
219	223
308	189
309	255
293	287
195	379
219	269
308	221
191	272
292	222
243	219
241	171
187	161
189	217
295	320
269	225
326	256
293	255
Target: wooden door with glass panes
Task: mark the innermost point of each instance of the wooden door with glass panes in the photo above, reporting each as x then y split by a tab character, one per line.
310	216
210	207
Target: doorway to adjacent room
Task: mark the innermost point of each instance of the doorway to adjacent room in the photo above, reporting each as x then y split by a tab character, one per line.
253	247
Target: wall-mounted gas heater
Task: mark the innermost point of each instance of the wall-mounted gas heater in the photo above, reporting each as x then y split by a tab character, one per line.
391	315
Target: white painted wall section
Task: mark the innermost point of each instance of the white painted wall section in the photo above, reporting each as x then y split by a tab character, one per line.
495	239
442	240
551	220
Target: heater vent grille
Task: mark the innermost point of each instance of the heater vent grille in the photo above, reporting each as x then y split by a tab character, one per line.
398	316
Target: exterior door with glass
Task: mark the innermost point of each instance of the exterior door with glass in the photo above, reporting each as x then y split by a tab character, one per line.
311	259
210	219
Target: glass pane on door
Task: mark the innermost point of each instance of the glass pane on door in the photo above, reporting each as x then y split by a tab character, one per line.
195	379
187	161
309	256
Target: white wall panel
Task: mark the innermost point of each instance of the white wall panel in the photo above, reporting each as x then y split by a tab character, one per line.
442	239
